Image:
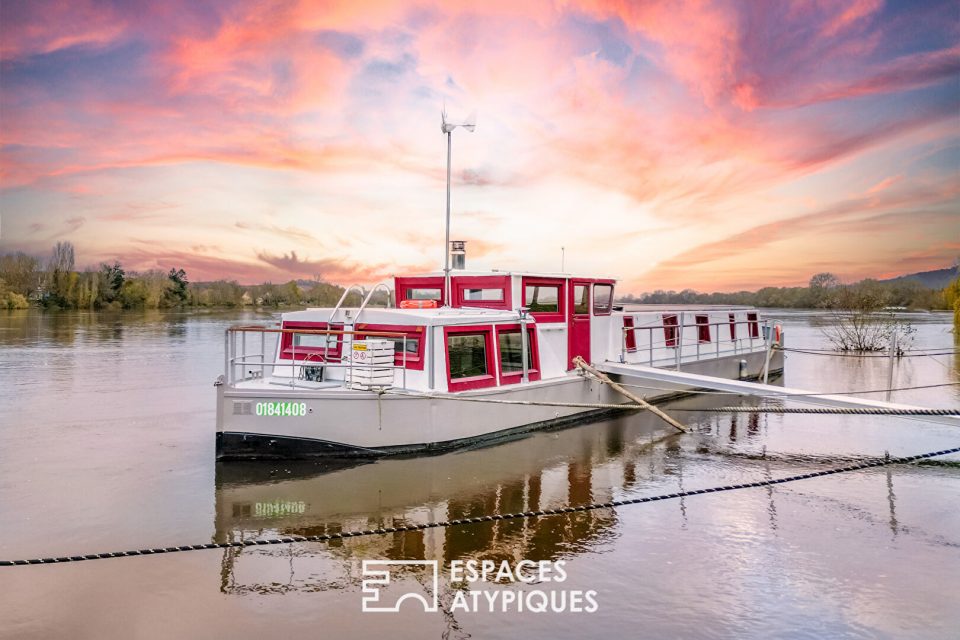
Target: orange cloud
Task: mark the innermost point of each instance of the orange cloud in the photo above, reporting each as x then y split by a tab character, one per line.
686	134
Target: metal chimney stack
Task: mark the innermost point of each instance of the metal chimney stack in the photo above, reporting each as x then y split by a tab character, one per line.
458	252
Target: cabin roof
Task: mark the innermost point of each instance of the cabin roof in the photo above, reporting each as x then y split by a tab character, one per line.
379	315
508	272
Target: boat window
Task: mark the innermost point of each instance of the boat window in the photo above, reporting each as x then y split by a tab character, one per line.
424	294
733	327
310	345
753	325
315	340
670	329
467	354
542	297
581	299
413	344
414	334
488	295
703	328
631	336
602	299
511	352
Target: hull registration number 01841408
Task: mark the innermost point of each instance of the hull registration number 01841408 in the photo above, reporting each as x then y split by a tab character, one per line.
281	409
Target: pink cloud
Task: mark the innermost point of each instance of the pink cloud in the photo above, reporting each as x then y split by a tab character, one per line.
42	27
689	113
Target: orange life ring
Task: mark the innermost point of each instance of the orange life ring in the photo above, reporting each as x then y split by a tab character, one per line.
777	333
418	304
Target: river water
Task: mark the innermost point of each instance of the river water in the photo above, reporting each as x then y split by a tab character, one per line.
107	443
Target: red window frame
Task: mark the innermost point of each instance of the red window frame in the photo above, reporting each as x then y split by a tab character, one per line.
475	382
414	360
430	282
533	368
754	325
703	328
313	353
670	327
603	283
459	284
733	327
631	338
560	315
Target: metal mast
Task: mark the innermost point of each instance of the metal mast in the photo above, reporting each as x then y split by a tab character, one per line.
447	127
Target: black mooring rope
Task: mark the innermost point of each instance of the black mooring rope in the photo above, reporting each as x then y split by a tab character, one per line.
327	537
865	411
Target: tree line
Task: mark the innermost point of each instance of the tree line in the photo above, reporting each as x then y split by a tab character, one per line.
27	281
56	284
824	291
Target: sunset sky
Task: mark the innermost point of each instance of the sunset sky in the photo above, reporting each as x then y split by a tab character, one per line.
697	144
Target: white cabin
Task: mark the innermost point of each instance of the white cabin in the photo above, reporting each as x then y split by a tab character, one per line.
476	343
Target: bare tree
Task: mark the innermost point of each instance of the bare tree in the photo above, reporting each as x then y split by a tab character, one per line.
21	272
824	280
861	322
62	260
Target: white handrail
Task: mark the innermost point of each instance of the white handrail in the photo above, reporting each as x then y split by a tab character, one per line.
346	292
370	295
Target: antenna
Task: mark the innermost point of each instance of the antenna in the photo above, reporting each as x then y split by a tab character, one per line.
447	127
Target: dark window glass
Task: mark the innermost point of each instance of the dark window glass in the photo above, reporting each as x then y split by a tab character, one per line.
602	298
488	295
315	340
511	350
670	330
423	294
541	297
581	299
468	355
754	325
631	339
413	344
703	328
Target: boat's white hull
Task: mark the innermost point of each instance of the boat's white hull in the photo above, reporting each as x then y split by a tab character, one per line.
338	422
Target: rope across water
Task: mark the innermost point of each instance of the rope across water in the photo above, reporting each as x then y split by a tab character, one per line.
327	537
866	411
629	406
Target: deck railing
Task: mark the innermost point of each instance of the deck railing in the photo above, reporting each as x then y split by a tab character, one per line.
713	348
232	359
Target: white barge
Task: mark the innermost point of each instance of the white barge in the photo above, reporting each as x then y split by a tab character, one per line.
367	382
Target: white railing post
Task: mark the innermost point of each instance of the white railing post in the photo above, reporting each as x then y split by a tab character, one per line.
650	344
226	356
679	341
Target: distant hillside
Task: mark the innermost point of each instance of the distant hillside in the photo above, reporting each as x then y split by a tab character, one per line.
937	279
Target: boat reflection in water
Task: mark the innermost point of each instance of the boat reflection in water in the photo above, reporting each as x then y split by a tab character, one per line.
590	463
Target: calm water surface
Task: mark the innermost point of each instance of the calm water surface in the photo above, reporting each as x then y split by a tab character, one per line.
107	443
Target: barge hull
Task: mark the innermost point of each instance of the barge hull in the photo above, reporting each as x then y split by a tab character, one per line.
369	425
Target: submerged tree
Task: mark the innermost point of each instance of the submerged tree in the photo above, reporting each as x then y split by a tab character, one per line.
861	320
